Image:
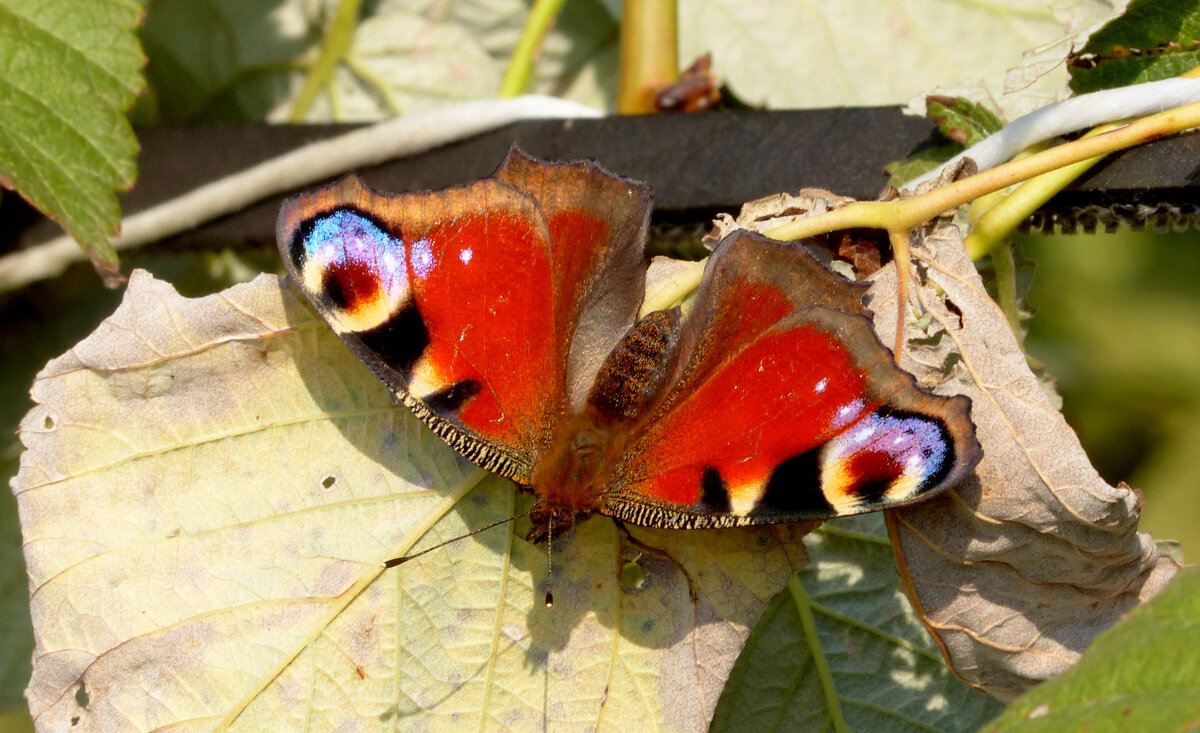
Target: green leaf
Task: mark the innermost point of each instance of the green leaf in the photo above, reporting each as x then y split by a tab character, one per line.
962	120
920	162
1143	674
841	648
70	69
1153	39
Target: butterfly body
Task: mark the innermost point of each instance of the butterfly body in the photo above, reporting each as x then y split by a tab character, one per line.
503	313
573	475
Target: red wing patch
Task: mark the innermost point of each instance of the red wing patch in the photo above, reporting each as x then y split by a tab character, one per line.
480	283
784	394
597	226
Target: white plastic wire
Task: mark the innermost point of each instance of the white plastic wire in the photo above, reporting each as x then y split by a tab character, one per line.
1070	115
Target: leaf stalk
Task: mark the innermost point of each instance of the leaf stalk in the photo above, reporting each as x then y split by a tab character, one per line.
333	50
520	65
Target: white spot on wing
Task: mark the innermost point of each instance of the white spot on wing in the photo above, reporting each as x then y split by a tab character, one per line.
821	385
422	259
847	414
465	255
863	434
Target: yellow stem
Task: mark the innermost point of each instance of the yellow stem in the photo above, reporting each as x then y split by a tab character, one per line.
903	260
898	217
903	215
649	53
1005	267
676	289
995	225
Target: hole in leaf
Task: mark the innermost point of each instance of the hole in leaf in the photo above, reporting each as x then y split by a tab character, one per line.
328	482
952	360
633	575
953	308
49	422
81	695
932	340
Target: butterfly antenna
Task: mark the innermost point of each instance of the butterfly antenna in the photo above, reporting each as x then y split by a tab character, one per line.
401	560
549	561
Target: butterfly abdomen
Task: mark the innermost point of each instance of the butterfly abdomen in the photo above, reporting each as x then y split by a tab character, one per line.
634	373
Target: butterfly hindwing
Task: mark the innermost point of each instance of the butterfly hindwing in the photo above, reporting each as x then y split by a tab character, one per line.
782	405
465	301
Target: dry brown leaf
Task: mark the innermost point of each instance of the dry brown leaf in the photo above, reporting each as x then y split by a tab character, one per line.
208	491
1020	567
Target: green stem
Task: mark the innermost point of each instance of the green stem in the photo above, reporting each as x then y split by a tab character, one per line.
333	49
678	287
804	609
1005	267
520	64
900	216
994	226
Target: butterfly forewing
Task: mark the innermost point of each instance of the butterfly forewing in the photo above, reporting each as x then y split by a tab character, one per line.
784	406
597	225
466	301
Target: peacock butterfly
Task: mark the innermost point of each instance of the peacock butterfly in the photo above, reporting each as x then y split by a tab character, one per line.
503	313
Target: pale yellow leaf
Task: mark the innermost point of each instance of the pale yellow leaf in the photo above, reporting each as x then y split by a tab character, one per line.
779	53
208	489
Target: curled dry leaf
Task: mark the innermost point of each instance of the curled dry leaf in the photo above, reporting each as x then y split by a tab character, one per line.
1016	570
760	215
208	490
1019	568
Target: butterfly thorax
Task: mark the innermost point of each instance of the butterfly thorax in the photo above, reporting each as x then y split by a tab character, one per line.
571	477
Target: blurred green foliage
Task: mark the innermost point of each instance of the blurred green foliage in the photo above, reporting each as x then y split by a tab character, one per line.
1118	325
